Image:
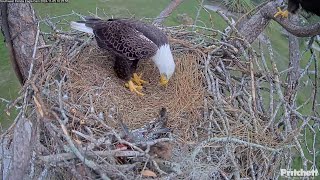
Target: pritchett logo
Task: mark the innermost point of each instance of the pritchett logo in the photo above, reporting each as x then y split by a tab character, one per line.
299	173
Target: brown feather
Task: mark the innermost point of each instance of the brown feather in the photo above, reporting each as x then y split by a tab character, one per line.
122	39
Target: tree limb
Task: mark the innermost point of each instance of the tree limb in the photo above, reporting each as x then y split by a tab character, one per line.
6	33
22	149
252	28
19	25
167	11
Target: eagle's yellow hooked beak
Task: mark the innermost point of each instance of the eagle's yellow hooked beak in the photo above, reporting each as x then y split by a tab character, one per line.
163	80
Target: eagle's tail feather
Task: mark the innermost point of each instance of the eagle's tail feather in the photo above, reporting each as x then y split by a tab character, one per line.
81	27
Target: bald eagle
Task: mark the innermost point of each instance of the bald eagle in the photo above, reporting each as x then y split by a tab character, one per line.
130	41
311	6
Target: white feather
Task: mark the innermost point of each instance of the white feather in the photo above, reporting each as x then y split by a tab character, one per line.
164	60
81	27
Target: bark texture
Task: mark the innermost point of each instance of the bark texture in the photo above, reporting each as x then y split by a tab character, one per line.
19	25
22	149
167	11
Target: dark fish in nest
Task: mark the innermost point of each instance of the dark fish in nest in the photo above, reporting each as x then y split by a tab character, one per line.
149	132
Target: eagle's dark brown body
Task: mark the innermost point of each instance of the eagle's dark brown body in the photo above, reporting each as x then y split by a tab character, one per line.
124	68
129	40
312	6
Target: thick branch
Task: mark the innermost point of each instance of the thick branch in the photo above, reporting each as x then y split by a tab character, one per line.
20	29
258	22
22	149
167	11
6	33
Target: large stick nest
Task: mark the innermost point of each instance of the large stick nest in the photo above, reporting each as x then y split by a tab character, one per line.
204	124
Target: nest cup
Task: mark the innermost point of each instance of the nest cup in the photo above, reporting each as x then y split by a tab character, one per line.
92	83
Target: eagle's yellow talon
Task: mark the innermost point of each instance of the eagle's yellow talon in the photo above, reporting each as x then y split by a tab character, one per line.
139	88
137	79
283	14
134	88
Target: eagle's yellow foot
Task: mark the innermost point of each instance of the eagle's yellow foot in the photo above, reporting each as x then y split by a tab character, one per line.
283	14
134	88
137	79
163	80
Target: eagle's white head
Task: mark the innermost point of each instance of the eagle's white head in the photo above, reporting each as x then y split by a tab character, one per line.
165	63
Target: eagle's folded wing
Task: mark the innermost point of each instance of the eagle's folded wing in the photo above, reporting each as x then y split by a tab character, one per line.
123	40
